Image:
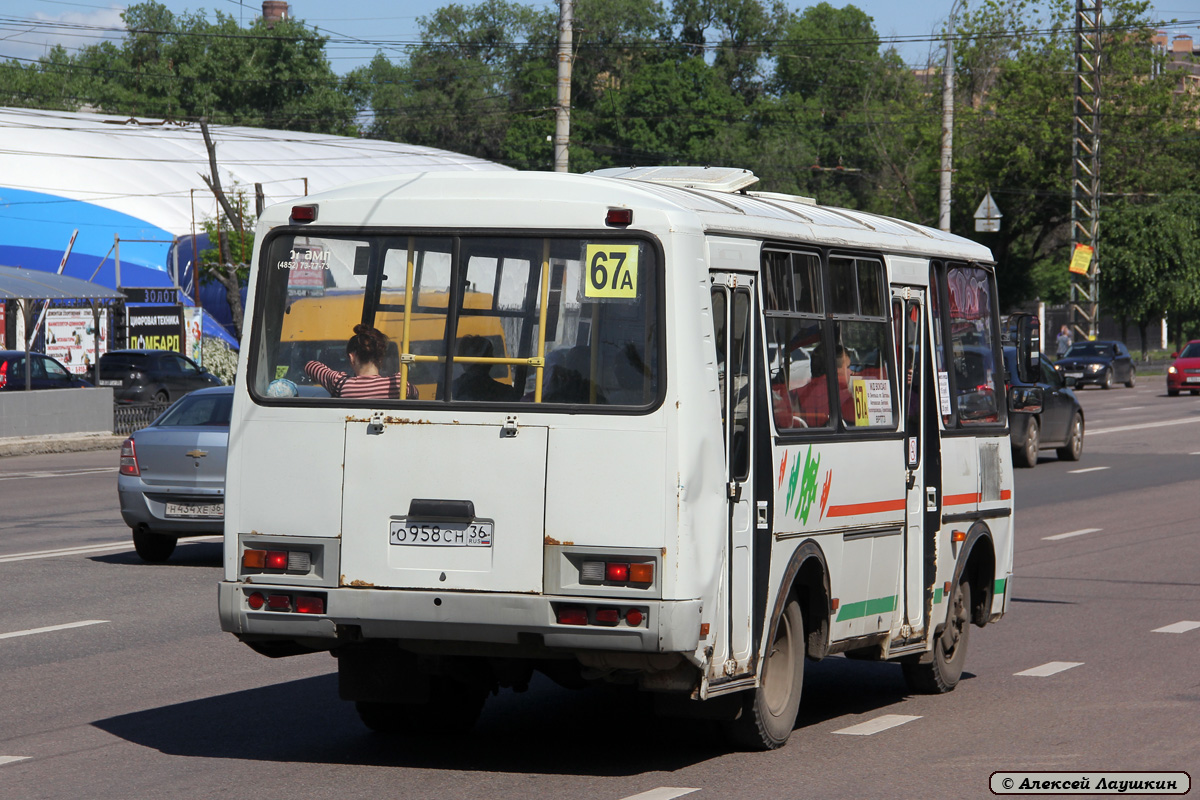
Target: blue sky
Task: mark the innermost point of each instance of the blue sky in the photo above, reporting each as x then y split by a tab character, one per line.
362	25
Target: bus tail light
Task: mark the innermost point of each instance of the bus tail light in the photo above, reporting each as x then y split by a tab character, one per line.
279	602
572	615
616	572
254	559
633	617
129	463
310	605
256	601
619	217
608	616
277	559
304	213
641	573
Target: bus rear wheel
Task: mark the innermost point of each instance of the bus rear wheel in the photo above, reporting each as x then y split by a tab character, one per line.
452	710
768	713
942	673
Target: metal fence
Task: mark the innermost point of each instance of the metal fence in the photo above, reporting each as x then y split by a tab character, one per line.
128	417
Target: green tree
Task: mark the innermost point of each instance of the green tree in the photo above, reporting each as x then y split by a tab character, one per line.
228	262
185	67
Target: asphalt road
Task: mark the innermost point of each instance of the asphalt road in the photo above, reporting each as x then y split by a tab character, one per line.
117	682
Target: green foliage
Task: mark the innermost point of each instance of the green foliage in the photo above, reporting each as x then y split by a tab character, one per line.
218	359
185	67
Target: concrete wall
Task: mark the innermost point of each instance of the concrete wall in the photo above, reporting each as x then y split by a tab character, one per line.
56	411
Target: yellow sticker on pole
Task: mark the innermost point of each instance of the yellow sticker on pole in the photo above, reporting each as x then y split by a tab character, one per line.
611	271
1081	259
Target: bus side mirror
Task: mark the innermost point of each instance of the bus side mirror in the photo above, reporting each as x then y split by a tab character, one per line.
1029	348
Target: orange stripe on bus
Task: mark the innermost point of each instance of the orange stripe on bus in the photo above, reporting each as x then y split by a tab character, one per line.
1006	494
866	508
960	499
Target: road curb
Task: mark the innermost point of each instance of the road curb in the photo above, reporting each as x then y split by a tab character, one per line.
65	443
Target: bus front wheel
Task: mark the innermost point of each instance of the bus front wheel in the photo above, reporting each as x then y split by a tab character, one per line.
941	674
768	713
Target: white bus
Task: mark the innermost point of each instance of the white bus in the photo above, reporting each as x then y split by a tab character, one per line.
724	432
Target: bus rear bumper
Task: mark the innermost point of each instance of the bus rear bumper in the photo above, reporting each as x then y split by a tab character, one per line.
666	626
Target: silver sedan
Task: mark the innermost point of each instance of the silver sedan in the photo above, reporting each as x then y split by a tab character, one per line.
172	477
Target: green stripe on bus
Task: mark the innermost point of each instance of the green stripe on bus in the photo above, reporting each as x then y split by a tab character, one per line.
998	586
937	595
865	608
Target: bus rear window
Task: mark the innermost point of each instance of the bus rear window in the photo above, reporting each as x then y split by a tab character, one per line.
467	319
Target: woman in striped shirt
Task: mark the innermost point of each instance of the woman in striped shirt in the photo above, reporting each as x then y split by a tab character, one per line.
366	350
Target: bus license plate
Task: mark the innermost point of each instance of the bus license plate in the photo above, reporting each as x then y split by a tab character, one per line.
441	534
205	510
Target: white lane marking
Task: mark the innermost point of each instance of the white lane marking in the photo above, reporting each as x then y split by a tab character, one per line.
1053	668
1080	532
11	759
1143	426
876	725
1130	408
661	793
50	628
93	548
17	476
1178	627
1089	469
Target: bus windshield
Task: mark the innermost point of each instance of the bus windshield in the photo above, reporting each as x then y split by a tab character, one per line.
467	319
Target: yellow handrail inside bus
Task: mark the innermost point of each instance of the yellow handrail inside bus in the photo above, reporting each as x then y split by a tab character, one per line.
408	293
541	351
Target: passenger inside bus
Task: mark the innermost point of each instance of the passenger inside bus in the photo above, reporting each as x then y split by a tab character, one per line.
566	380
476	381
366	349
808	406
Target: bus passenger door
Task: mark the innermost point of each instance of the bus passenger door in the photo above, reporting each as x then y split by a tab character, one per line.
733	321
911	343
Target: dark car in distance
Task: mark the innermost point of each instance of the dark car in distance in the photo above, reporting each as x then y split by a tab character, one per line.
1060	423
44	372
141	376
1184	373
1100	362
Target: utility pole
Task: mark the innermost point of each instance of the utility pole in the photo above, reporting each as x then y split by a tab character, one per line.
562	116
1085	168
947	127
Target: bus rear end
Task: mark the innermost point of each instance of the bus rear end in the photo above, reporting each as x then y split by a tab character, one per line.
516	514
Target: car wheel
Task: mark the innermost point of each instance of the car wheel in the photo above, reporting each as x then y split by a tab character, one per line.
162	396
154	548
943	671
1132	378
768	713
1172	393
1195	392
1073	449
1027	454
1106	379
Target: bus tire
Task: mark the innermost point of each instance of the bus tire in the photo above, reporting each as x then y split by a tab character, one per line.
768	713
943	671
452	710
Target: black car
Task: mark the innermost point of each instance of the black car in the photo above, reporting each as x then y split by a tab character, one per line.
45	372
139	376
1101	362
1060	423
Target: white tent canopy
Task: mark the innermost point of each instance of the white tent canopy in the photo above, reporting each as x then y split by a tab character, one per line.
148	168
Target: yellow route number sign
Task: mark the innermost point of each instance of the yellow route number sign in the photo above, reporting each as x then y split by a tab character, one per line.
611	271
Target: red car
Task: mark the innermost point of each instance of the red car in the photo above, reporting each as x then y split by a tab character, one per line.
1185	372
